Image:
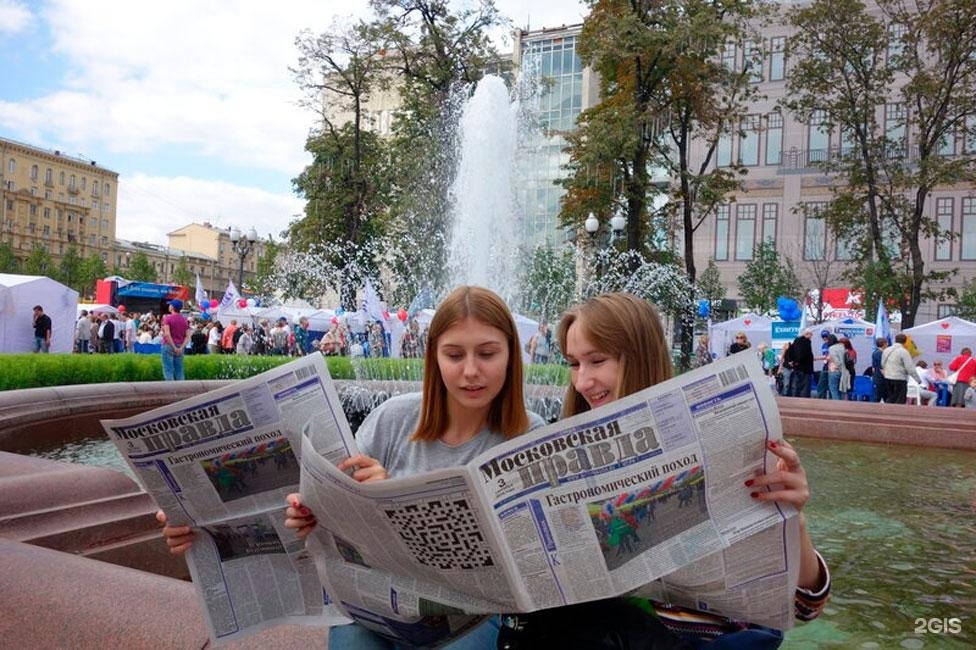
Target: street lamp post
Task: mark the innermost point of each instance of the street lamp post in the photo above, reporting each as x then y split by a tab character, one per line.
592	226
243	245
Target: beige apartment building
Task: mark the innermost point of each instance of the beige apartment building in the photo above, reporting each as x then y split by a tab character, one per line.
208	242
55	200
780	153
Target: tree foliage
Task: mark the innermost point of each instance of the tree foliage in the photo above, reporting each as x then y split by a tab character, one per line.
667	99
140	269
766	278
8	259
69	269
896	88
266	276
92	269
709	284
182	274
547	282
39	262
665	285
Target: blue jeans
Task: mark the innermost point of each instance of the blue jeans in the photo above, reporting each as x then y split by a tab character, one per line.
822	383
833	383
40	344
357	637
172	364
800	384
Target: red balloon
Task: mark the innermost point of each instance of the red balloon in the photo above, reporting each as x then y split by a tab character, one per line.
402	314
122	309
242	303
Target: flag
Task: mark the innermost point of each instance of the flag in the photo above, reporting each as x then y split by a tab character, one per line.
230	296
200	295
882	326
803	316
371	302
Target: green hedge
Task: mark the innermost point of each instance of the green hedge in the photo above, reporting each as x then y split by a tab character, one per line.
37	370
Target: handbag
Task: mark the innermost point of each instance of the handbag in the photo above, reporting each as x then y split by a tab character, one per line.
954	377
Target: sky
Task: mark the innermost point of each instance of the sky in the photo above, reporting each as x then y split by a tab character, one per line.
190	101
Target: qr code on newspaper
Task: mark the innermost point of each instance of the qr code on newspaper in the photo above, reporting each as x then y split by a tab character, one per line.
442	534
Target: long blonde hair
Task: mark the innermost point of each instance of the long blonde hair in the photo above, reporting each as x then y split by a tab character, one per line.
507	413
627	328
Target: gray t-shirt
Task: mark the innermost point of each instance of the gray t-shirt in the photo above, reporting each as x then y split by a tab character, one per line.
385	435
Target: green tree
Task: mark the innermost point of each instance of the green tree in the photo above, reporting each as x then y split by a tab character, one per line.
140	269
547	282
92	269
266	273
667	102
709	284
966	301
438	51
766	278
69	269
8	259
182	274
346	183
912	63
39	262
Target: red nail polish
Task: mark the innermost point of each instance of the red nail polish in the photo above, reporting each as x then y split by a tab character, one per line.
754	494
749	482
772	444
303	510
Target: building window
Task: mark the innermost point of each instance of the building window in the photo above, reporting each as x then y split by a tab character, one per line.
770	216
62	178
947	144
777	58
33	210
895	129
84	183
749	141
774	139
49	176
728	56
844	248
947	310
969	143
752	55
47	231
71	185
745	231
107	189
818	138
723	152
94	188
34	172
722	232
47	213
12	166
943	214
896	43
967	247
814	232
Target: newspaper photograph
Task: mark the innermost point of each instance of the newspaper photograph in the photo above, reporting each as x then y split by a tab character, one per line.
222	463
599	505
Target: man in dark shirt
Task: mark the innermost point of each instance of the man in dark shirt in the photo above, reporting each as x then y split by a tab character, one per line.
800	356
42	330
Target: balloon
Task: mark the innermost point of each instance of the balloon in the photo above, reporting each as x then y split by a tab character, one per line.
402	314
205	316
386	315
242	303
340	311
251	302
121	309
704	308
207	304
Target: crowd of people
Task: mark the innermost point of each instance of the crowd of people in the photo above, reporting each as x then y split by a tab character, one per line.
893	371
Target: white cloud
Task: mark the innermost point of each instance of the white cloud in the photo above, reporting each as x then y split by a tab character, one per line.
14	17
154	206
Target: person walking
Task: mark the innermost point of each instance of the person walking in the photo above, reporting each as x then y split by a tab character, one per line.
174	331
42	330
897	366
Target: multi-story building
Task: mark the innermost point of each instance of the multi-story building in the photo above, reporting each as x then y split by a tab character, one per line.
55	201
166	260
784	187
208	242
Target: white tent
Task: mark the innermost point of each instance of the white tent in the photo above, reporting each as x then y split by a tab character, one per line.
97	308
18	295
943	339
860	332
722	335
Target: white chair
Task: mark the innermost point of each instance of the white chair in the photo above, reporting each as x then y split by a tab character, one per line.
914	392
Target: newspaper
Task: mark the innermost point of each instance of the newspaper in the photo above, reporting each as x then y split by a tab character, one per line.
222	463
641	496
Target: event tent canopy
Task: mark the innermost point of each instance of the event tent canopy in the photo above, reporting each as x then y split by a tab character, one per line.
860	332
722	335
18	295
944	338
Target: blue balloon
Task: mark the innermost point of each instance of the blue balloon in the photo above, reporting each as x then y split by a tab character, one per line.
340	311
704	308
205	316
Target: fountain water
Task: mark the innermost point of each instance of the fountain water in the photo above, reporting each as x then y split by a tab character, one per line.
483	247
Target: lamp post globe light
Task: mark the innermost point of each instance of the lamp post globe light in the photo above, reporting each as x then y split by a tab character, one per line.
592	227
243	245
